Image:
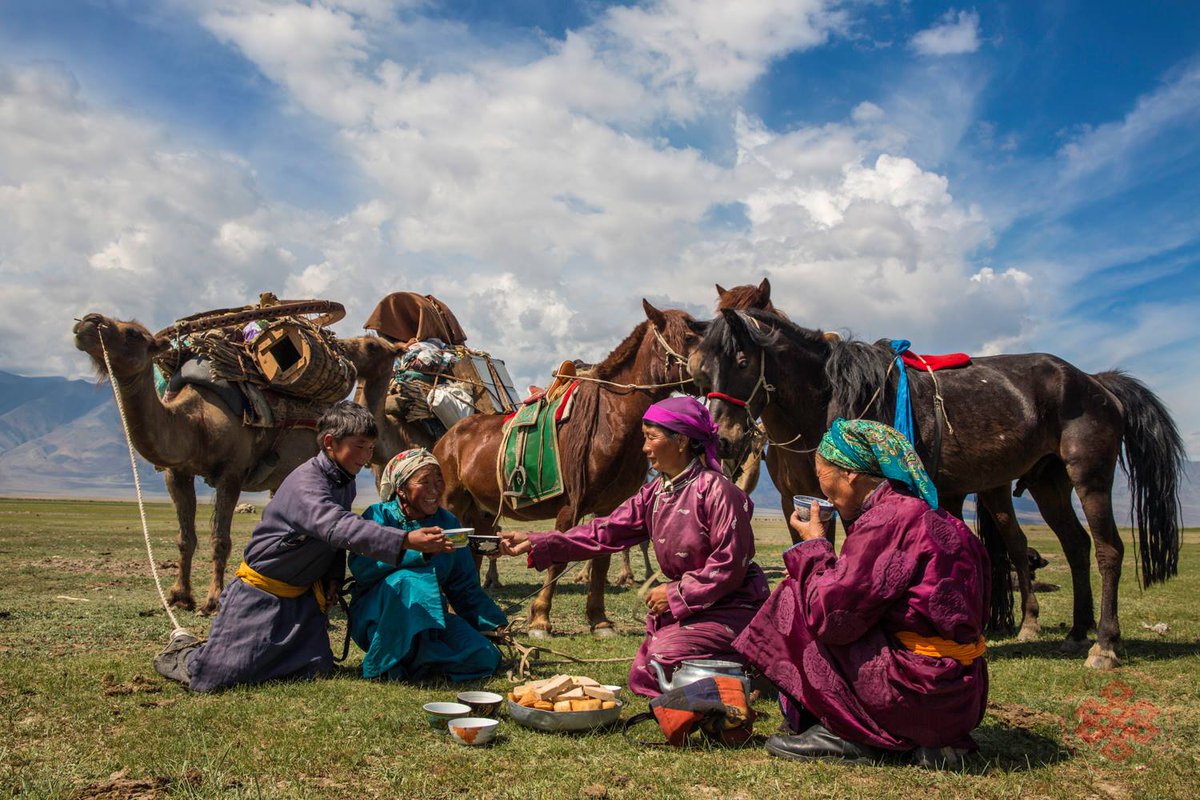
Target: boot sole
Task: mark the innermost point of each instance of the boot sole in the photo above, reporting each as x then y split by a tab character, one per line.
832	758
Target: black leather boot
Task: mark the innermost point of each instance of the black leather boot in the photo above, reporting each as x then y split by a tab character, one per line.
818	742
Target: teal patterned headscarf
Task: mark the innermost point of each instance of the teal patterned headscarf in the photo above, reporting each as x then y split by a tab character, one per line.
873	448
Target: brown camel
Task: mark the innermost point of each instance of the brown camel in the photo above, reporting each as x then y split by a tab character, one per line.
600	449
196	434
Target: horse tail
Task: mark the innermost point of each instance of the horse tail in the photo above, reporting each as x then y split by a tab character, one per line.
1001	620
1152	458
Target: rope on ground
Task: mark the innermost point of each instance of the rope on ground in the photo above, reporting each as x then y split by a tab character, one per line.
137	485
523	653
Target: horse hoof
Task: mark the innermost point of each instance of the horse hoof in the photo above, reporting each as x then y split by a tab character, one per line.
493	584
1029	634
209	608
606	631
539	633
1099	658
625	580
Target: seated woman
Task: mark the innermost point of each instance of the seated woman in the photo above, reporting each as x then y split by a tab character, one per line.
880	649
399	614
699	522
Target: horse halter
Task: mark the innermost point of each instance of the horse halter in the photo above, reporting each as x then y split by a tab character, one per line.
761	383
669	353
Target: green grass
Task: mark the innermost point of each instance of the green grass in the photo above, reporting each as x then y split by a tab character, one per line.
80	623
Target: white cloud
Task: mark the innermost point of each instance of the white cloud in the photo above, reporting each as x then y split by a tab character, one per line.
955	34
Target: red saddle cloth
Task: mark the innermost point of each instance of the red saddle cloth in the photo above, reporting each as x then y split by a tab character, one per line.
935	363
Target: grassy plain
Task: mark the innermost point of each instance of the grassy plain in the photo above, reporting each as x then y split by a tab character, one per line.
83	714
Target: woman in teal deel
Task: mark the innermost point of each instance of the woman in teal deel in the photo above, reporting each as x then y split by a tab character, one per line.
401	615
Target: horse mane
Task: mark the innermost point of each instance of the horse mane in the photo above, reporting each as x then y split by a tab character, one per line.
748	297
856	370
623	352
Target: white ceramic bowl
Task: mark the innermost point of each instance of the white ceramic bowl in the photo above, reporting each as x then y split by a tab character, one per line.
473	731
804	502
458	536
483	704
438	714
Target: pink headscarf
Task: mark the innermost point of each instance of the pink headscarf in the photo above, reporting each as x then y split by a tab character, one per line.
690	417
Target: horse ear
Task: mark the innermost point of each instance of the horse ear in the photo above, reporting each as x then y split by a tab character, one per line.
764	289
658	318
721	291
832	336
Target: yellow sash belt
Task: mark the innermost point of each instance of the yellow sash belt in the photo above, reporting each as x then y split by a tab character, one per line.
250	575
937	647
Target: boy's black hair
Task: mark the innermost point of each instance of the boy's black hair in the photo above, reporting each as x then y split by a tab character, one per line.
346	418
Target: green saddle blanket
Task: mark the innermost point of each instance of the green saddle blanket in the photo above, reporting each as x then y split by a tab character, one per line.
529	466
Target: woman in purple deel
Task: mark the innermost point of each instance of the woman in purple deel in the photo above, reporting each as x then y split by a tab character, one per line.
699	523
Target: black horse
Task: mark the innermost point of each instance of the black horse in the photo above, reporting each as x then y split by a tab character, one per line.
1033	418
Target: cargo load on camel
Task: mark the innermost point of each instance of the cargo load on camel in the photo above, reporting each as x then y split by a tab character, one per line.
276	362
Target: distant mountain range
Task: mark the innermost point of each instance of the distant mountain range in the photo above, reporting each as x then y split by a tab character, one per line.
62	438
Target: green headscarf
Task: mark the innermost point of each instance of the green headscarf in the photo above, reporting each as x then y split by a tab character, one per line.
873	448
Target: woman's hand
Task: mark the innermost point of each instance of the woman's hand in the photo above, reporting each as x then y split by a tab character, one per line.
811	528
514	543
430	541
656	600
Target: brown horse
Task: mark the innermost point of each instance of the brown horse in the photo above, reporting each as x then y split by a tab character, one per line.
1032	417
600	448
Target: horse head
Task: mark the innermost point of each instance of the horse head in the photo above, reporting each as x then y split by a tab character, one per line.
676	336
730	368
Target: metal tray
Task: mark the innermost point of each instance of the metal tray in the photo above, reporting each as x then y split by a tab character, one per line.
559	721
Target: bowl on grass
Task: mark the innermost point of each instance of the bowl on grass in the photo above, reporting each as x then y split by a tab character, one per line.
473	731
483	704
438	714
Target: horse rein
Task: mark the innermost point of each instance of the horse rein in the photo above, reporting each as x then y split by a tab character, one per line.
669	353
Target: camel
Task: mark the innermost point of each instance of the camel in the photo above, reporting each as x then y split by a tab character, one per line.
197	435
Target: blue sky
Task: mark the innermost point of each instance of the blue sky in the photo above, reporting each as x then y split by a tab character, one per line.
998	177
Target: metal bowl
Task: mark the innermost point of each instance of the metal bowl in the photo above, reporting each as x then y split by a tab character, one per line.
559	721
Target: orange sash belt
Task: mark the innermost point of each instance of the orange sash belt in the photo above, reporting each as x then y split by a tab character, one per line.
937	647
250	575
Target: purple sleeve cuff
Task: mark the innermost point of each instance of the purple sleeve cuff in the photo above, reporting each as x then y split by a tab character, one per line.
796	557
679	607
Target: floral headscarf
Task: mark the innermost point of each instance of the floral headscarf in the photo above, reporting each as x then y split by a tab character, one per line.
873	448
402	467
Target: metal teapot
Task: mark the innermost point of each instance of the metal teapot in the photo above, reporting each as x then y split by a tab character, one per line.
692	671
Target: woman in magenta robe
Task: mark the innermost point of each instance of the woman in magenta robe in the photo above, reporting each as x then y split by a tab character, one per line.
879	649
699	524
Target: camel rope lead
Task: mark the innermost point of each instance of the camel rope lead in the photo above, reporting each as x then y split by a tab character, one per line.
137	485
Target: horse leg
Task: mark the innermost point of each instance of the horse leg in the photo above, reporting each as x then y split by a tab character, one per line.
539	609
785	503
1052	493
625	576
999	503
1092	475
585	573
226	499
182	488
646	560
600	624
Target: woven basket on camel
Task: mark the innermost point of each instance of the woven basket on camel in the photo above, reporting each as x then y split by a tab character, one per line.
291	354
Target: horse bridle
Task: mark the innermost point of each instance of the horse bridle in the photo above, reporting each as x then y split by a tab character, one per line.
669	353
768	389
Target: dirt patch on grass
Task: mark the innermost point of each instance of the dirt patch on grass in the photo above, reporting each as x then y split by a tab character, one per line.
1015	715
121	787
138	684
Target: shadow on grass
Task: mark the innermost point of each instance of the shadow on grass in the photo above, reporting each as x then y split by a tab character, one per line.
1009	748
1130	649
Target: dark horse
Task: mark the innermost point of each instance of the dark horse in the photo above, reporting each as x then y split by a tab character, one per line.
600	449
1031	417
